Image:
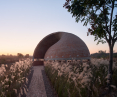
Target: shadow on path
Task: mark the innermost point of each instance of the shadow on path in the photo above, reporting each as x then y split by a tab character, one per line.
50	92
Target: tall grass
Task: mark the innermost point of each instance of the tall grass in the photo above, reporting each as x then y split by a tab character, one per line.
12	78
7	59
79	79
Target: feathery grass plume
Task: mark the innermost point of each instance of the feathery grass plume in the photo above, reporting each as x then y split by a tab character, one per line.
79	79
15	90
24	90
13	79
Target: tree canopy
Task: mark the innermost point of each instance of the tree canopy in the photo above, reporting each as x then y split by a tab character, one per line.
99	14
20	55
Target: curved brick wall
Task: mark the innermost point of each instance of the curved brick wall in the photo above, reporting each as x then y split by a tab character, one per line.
61	46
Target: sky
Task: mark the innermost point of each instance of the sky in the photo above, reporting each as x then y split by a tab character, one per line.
24	23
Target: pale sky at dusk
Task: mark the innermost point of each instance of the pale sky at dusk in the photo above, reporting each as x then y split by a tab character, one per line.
23	23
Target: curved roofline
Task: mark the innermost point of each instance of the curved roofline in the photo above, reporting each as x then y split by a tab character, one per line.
70	42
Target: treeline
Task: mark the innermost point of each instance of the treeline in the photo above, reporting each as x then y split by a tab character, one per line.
21	55
102	54
6	59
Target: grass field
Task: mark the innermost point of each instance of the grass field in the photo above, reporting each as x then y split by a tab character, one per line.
5	59
8	59
69	79
13	76
82	79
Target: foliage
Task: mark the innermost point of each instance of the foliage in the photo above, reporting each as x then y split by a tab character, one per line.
99	14
27	56
115	55
20	55
78	79
104	55
12	78
8	59
100	51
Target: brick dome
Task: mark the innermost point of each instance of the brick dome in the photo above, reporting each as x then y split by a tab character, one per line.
61	46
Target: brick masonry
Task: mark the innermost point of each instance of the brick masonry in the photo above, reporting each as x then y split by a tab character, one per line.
61	45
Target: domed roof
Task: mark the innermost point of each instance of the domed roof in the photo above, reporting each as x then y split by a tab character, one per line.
61	46
68	47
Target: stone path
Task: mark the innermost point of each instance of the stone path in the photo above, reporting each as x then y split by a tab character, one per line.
39	85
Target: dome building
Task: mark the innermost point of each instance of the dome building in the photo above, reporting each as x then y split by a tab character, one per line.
60	46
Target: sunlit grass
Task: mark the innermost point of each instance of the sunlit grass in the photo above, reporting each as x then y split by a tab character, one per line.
78	79
12	79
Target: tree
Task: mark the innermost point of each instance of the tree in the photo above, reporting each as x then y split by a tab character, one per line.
19	55
100	51
27	56
99	14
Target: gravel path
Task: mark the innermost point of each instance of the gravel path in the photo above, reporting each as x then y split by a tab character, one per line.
39	85
50	92
36	87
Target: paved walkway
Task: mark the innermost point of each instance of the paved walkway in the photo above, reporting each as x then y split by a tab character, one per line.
39	85
36	87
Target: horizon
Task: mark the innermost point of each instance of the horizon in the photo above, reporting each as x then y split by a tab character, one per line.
25	23
8	54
